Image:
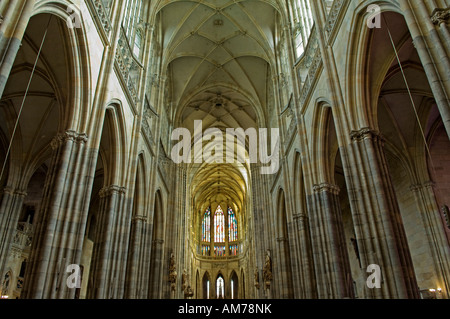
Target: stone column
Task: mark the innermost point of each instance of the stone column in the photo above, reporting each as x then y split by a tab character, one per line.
432	49
376	216
105	269
285	268
260	241
61	221
134	275
305	255
434	228
156	269
333	268
10	208
440	18
12	29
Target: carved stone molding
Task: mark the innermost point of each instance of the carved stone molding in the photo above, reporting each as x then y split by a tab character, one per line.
140	218
102	15
333	16
301	217
328	188
12	192
365	133
157	242
108	191
69	135
417	187
446	212
440	16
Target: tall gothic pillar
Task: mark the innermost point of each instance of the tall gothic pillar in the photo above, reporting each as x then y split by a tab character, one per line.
259	211
135	275
156	269
308	288
285	268
433	226
13	24
431	37
10	208
61	221
332	267
378	224
107	263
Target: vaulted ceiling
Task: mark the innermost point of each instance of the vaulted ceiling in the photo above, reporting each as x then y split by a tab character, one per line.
219	57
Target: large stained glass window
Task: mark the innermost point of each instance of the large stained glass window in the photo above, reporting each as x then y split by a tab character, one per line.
206	226
218	228
232	226
219	224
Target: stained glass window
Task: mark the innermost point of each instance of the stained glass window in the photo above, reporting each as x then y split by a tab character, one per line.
206	226
219	224
234	250
232	226
206	250
219	251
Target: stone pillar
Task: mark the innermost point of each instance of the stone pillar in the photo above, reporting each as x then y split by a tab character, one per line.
10	208
376	216
434	228
156	269
12	29
134	275
61	221
260	241
284	270
106	256
440	18
305	257
333	268
432	47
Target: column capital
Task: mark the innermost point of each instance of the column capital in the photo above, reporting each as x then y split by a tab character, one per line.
365	133
417	187
440	16
11	191
109	190
69	135
328	188
139	218
301	217
157	242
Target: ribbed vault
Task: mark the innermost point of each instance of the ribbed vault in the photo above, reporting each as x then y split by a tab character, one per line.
219	61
